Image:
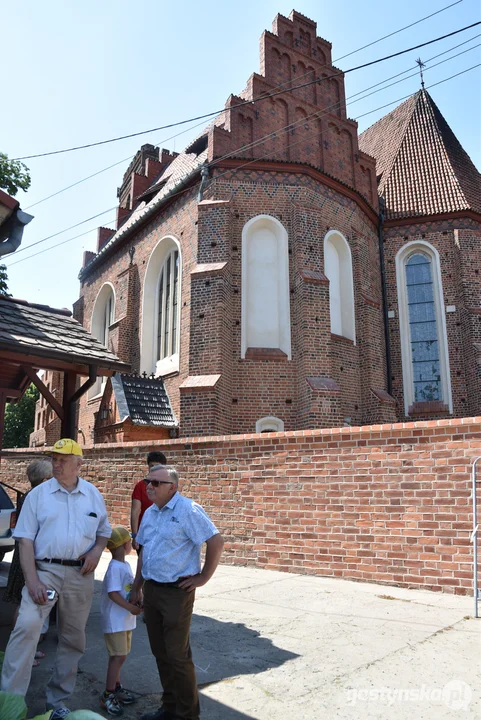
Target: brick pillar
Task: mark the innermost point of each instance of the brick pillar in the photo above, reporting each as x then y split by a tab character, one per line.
207	388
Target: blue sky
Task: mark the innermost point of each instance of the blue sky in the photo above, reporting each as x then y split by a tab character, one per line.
83	72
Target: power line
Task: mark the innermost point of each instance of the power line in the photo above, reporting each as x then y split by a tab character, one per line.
250	102
160	142
240	167
406	27
89	177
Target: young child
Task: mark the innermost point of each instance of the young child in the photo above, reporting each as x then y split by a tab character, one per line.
118	619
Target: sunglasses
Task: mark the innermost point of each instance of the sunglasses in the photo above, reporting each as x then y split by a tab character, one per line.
156	483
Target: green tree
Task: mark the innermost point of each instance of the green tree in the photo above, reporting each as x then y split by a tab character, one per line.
13	175
3	281
20	419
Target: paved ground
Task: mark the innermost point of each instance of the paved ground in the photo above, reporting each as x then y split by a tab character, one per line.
270	645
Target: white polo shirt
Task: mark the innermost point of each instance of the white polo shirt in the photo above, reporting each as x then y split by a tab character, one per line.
62	525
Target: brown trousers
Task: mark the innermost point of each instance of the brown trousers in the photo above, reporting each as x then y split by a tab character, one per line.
168	613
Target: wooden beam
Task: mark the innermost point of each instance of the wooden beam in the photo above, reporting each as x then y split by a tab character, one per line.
43	390
69	420
11	393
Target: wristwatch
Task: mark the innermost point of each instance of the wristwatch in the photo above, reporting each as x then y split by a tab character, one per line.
133	535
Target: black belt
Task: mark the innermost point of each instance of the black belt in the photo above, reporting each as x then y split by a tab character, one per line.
68	563
167	584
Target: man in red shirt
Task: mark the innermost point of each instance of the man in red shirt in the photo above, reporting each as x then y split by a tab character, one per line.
140	500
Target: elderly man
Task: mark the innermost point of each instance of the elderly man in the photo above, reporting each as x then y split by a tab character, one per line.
62	532
172	533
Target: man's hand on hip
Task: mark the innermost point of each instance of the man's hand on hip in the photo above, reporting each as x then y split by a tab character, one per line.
38	592
91	560
192	582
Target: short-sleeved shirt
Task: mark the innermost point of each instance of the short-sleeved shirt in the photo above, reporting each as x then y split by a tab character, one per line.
140	493
63	524
118	578
172	538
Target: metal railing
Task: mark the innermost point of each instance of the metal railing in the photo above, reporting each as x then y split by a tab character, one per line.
474	540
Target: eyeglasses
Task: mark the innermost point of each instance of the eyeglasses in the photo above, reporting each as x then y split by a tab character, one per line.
156	483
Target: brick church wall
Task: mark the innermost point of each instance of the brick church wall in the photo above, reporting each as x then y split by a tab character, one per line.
384	503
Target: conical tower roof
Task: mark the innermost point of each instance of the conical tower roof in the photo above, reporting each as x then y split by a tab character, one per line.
421	167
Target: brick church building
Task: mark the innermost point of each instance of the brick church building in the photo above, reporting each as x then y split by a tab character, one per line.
284	272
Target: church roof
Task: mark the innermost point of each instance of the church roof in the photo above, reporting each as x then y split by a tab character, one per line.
144	400
421	167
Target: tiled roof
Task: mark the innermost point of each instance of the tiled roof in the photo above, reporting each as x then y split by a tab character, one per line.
421	167
144	400
175	175
48	332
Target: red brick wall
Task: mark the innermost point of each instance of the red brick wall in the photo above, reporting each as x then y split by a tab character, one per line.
386	503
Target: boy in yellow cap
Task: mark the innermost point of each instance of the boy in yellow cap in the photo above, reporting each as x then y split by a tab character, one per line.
118	619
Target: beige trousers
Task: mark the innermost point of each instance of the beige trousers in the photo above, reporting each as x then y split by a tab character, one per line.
75	592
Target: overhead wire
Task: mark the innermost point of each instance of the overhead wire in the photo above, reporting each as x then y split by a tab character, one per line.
250	162
287	82
260	98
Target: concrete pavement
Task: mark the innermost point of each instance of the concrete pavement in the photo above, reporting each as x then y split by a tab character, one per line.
270	645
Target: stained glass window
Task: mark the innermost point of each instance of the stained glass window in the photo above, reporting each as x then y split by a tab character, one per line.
423	329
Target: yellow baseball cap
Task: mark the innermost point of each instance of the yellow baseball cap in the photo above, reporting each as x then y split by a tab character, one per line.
120	535
66	447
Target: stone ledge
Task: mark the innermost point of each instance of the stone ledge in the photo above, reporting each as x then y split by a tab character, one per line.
199	383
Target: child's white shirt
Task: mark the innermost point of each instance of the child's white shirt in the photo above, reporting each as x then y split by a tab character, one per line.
118	578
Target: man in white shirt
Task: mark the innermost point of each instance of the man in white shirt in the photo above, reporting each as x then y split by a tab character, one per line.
62	531
172	533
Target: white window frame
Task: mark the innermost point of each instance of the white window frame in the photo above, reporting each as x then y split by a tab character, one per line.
99	328
269	424
425	248
150	310
338	242
283	296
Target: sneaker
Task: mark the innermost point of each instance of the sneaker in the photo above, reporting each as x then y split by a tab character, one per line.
110	703
124	696
59	714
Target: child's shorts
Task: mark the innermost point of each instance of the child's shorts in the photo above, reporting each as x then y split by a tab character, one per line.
118	643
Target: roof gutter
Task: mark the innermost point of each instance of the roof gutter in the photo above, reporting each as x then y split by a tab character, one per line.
387	338
11	232
151	210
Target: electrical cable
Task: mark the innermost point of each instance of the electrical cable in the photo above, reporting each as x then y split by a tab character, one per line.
234	170
160	142
250	102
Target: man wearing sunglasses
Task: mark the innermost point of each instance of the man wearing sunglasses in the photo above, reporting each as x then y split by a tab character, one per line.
173	531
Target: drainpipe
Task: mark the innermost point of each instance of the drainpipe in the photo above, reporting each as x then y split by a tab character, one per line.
11	236
204	174
387	338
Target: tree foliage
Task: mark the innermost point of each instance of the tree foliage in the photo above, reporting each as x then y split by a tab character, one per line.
20	419
3	281
13	175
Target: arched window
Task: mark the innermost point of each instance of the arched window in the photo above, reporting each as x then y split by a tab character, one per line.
269	424
102	318
338	270
424	345
161	309
265	286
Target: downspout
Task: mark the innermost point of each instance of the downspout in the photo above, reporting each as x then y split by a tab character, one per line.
204	174
387	338
13	232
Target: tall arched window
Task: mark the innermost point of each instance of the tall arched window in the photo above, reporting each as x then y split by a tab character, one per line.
338	270
161	309
265	286
103	316
423	327
167	303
